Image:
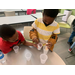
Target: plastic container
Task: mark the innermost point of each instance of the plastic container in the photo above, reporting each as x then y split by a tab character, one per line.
43	58
2	58
16	49
28	55
45	49
39	46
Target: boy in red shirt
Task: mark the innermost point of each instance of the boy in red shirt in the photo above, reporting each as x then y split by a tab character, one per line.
9	37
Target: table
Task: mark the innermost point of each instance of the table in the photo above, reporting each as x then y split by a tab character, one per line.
16	10
19	58
3	10
16	19
39	15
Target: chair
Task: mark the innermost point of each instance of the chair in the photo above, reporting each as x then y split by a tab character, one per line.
9	13
68	23
26	32
30	11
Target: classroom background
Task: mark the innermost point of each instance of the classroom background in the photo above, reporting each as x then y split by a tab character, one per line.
21	18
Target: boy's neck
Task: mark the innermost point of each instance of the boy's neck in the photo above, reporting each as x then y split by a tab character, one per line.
3	39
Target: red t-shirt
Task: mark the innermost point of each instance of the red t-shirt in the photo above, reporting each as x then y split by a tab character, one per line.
6	46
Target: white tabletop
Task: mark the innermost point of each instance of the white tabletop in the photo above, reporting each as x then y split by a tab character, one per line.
39	15
16	19
19	58
3	10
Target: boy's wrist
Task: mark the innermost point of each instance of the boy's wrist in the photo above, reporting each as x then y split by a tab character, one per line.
34	38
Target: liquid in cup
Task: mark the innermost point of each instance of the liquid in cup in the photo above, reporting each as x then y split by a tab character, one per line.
39	46
16	49
45	49
43	58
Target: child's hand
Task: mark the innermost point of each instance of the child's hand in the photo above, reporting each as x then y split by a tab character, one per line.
35	45
49	45
18	43
36	40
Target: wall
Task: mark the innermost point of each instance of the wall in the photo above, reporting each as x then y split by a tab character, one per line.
73	11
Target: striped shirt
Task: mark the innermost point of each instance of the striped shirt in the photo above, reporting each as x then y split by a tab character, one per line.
44	33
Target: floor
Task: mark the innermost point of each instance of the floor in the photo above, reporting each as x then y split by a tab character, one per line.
61	47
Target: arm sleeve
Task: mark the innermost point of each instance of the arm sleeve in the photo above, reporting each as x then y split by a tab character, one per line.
56	30
6	50
53	39
33	31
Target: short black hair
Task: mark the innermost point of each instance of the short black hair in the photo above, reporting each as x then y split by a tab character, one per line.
6	31
51	12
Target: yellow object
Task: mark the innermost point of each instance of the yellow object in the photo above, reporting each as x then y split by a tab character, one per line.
43	32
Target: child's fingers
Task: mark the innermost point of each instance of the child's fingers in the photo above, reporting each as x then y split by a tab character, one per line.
35	45
36	40
48	44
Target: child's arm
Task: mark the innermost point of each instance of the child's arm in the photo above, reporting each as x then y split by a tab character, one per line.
29	44
54	36
53	39
33	35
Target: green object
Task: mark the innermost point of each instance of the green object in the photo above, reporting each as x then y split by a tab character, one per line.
67	24
64	25
73	11
30	41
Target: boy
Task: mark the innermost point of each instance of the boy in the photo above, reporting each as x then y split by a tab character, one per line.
9	37
72	46
70	41
45	29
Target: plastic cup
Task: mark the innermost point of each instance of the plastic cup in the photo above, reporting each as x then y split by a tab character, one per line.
45	49
39	46
16	49
43	58
28	56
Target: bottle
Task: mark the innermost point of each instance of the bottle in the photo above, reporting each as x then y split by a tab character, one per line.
2	59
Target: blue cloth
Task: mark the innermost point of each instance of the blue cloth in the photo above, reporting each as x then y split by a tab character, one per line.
72	45
71	37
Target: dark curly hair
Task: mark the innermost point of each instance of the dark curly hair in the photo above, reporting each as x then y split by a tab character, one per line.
6	31
51	12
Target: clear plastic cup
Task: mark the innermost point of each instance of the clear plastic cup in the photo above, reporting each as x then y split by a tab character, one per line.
28	56
43	58
45	49
16	49
39	46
